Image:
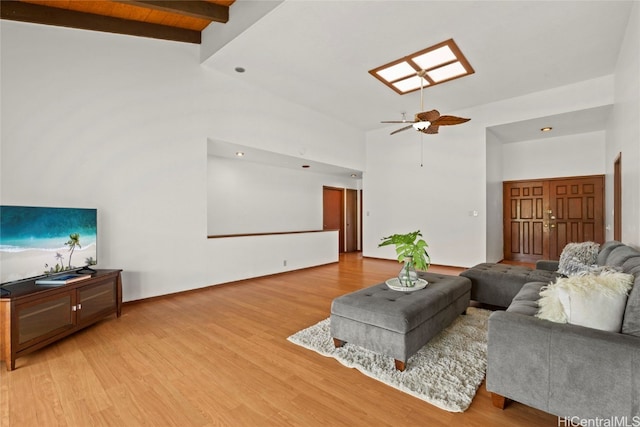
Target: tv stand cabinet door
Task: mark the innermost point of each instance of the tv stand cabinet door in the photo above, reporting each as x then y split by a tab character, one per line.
36	323
97	300
43	318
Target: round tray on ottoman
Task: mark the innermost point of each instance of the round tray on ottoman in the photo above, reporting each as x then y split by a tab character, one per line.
394	283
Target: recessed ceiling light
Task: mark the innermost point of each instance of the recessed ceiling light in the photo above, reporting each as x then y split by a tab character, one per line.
240	70
546	129
353	175
442	62
239	153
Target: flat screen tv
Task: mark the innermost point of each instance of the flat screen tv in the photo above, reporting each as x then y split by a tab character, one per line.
40	241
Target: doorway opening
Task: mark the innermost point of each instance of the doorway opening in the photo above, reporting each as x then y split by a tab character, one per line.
341	210
617	198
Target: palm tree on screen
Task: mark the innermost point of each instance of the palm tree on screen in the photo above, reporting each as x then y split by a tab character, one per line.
74	240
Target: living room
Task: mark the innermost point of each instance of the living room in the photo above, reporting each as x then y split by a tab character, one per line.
123	124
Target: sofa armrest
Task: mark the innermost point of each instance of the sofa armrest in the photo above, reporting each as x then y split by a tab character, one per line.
547	264
563	369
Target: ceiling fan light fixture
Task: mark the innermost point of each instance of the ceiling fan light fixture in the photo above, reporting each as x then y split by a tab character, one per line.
419	126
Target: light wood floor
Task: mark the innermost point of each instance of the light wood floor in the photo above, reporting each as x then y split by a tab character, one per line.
219	357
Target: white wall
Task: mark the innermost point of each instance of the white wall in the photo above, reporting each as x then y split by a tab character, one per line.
494	215
623	133
455	179
249	197
121	123
570	155
437	198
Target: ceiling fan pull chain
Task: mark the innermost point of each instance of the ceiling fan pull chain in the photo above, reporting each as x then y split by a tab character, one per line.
421	92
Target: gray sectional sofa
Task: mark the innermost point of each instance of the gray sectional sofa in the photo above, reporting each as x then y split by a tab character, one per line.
564	369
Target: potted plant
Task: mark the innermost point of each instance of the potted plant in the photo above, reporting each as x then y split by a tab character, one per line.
412	251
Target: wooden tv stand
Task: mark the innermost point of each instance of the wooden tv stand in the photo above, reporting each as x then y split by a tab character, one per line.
34	316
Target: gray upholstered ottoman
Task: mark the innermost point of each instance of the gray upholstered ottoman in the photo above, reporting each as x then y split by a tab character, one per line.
398	324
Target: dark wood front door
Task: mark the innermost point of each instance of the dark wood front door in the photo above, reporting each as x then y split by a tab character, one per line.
576	212
541	216
523	216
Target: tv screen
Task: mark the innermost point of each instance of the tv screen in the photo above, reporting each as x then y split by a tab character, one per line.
37	241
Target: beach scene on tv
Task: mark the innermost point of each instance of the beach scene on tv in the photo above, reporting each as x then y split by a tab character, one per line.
36	241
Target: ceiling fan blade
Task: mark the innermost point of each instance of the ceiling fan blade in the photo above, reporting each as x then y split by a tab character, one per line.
449	120
428	116
398	121
401	129
432	129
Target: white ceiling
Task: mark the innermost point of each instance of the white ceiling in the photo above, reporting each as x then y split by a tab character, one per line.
318	53
228	150
573	122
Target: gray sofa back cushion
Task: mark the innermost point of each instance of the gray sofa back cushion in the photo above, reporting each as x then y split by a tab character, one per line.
627	259
620	255
631	321
605	251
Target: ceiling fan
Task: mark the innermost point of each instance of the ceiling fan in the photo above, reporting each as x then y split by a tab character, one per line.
426	121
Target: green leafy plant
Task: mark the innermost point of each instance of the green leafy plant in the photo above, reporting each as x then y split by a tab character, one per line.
409	246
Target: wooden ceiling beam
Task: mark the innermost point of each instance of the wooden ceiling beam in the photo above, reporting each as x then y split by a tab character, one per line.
193	8
27	12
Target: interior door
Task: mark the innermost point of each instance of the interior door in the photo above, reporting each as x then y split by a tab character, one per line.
541	216
360	224
351	227
333	213
617	198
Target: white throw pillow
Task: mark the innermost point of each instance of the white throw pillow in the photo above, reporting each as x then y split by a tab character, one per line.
593	300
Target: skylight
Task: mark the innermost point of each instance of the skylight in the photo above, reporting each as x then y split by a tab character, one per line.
442	62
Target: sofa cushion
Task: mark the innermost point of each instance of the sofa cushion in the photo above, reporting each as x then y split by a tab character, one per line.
605	250
631	321
595	301
620	255
498	284
526	301
578	257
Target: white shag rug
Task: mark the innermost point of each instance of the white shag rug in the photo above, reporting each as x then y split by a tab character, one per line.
446	372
